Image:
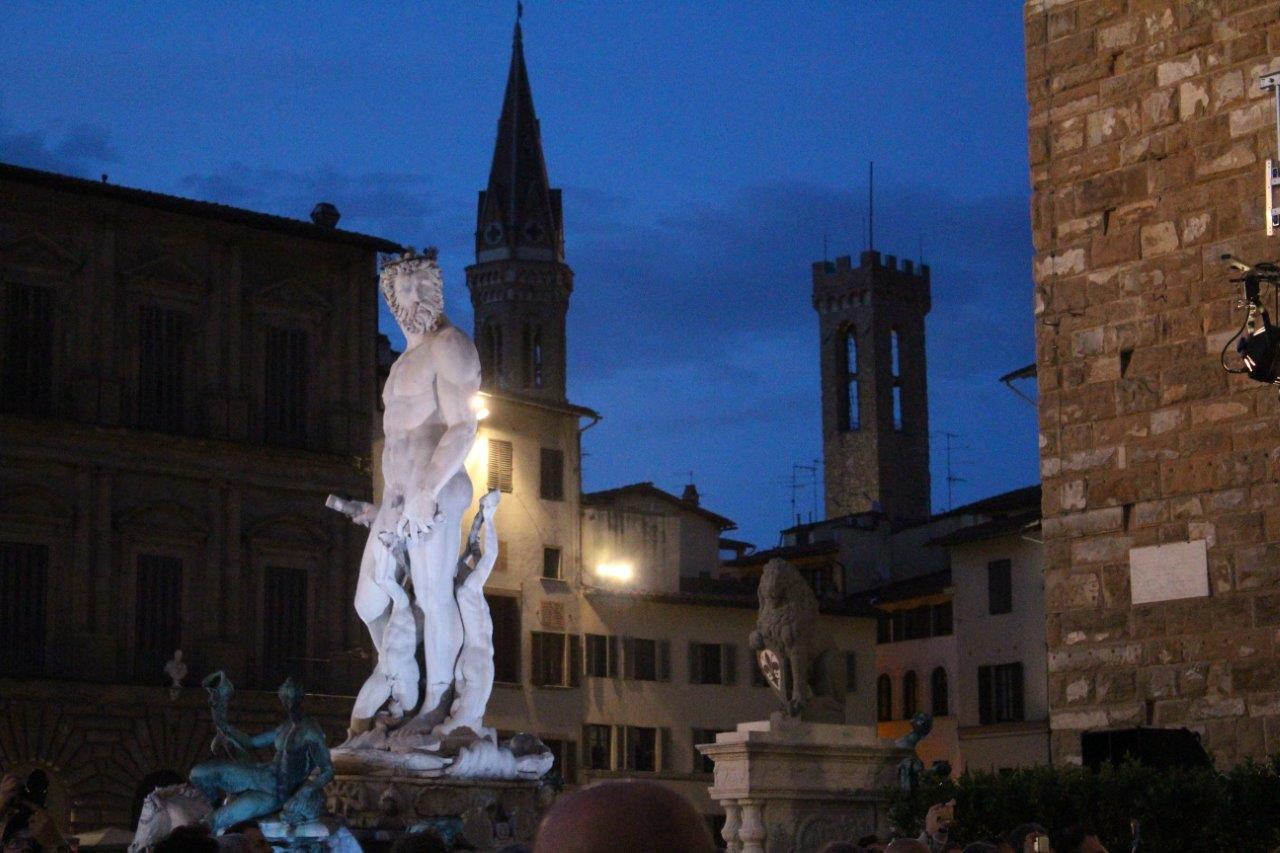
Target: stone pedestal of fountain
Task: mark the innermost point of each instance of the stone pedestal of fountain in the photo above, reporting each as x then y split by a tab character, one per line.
788	785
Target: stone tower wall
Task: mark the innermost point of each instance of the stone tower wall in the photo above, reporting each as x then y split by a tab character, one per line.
1147	138
875	462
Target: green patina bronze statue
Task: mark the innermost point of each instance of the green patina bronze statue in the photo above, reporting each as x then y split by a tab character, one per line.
291	783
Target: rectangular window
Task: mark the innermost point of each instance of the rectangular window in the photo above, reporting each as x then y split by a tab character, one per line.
917	622
701	763
162	369
712	663
566	758
884	629
942	620
597	746
505	612
557	659
285	364
24	585
597	655
26	374
551	563
284	625
850	414
850	671
640	748
1000	698
898	620
999	587
500	464
157	615
551	477
644	659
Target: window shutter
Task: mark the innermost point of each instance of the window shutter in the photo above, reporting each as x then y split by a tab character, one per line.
575	659
1017	691
501	461
695	664
628	657
613	657
664	660
729	663
984	695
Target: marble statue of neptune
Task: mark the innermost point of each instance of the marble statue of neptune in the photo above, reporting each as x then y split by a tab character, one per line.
415	533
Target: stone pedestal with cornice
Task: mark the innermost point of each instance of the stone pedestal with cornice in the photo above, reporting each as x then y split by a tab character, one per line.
787	785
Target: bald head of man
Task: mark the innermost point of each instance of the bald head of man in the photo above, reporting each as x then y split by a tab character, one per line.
623	817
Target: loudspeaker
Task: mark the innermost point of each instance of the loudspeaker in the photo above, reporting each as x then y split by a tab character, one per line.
1150	747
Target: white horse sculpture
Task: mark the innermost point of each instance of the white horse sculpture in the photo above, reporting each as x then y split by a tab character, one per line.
164	810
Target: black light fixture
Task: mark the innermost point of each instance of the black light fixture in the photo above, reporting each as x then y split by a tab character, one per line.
1258	341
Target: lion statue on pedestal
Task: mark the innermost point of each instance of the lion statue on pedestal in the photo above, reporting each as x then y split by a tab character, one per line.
800	662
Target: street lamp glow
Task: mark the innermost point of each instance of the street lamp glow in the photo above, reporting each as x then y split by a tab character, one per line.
478	406
615	571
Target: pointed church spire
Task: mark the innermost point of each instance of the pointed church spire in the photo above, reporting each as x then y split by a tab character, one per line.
519	213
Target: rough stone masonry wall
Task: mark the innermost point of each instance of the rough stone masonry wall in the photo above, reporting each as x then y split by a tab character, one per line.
1147	137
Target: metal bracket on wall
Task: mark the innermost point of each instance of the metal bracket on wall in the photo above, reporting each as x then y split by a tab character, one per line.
1271	178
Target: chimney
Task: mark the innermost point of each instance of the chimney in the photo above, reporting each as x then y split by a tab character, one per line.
690	495
325	215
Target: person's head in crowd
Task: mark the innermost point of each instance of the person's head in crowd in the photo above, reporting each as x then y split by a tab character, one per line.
1077	839
907	845
981	847
254	840
1022	839
623	817
514	847
420	841
841	847
194	838
871	842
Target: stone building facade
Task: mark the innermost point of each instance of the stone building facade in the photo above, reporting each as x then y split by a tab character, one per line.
181	385
1148	132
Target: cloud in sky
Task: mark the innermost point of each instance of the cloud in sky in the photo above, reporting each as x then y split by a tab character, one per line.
77	148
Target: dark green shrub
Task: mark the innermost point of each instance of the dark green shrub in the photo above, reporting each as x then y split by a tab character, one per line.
1180	809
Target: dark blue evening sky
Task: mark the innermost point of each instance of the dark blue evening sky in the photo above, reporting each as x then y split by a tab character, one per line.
704	150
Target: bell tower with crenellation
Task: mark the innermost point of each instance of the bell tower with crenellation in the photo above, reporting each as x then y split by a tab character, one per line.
875	412
520	284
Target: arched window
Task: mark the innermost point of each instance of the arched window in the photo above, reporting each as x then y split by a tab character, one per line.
850	411
909	704
938	692
884	698
895	366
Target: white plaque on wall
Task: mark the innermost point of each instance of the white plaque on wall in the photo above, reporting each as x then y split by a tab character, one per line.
1168	572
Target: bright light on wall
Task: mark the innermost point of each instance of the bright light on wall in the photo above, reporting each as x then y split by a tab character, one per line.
615	571
478	406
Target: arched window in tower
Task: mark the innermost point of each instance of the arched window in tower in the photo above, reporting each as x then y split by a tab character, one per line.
909	694
884	698
850	412
938	692
895	366
536	355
